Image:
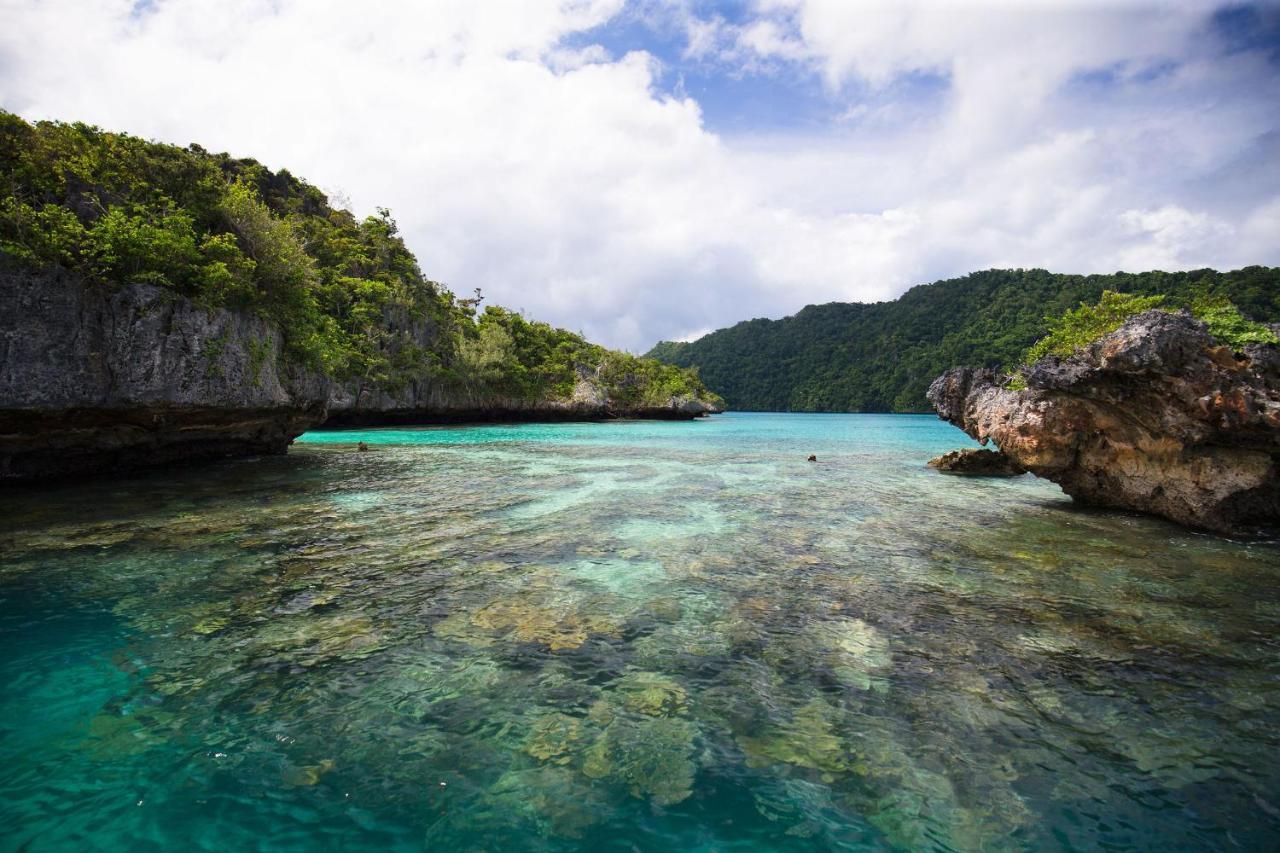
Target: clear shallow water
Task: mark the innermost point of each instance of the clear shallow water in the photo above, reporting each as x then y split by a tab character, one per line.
627	636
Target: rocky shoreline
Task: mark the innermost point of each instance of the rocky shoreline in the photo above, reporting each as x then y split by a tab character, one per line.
1155	417
96	380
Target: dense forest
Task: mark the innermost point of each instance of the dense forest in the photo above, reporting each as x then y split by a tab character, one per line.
881	357
230	233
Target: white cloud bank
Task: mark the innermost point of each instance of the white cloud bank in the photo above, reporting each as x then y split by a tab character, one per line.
562	181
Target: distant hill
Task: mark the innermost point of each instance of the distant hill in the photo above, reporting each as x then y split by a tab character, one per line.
880	357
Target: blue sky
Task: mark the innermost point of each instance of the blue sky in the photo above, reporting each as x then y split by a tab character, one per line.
734	99
649	169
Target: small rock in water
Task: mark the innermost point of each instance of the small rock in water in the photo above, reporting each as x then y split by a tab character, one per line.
979	463
813	458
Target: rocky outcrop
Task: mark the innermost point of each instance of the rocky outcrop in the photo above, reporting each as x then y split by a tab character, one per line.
94	379
97	379
977	463
426	401
1155	417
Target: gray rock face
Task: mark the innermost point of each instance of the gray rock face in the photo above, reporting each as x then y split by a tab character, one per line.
94	379
1154	417
977	463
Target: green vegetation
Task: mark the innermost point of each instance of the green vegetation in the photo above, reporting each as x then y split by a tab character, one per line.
1085	324
523	358
852	357
347	294
1228	324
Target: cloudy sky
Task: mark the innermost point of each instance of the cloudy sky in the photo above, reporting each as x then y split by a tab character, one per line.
656	168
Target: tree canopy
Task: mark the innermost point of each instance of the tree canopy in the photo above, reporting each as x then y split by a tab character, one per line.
881	357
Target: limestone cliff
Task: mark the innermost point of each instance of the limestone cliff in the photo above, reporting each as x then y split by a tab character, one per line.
1154	417
96	379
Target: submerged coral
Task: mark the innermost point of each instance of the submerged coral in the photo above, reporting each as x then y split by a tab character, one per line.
809	740
555	738
652	758
863	662
652	694
559	625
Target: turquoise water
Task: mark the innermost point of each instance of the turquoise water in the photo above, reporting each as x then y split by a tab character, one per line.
630	636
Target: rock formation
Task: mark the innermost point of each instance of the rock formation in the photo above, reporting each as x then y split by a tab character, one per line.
977	463
96	379
1155	417
93	379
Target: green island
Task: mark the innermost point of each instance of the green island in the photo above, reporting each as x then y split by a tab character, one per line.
881	357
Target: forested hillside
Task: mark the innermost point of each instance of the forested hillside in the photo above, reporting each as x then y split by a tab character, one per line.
347	294
881	357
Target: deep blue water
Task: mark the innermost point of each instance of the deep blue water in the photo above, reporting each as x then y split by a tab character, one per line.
628	635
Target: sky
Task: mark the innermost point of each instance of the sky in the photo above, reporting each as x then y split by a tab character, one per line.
640	170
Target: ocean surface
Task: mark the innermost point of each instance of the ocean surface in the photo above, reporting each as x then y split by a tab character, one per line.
627	636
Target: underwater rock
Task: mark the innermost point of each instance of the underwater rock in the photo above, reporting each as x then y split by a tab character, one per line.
554	799
110	735
307	775
805	806
854	649
1154	417
977	463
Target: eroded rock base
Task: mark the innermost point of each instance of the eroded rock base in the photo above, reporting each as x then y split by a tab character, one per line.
977	463
46	445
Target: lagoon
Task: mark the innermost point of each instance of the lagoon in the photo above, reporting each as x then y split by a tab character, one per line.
627	635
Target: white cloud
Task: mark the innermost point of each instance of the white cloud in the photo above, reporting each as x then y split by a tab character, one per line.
560	179
1171	236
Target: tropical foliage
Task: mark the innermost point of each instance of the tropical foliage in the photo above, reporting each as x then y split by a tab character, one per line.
347	293
1085	324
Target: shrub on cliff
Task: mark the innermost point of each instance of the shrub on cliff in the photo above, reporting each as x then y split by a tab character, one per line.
1084	324
1228	325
